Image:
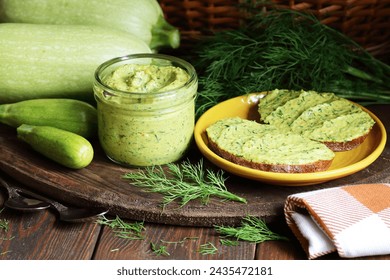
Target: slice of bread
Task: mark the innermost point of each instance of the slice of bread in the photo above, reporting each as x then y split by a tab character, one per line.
265	147
344	132
215	130
315	116
274	99
334	121
284	115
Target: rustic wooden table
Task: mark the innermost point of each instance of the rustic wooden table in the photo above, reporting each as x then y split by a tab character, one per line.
41	236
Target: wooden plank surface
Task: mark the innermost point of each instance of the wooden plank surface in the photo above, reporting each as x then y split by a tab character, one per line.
101	184
182	243
40	236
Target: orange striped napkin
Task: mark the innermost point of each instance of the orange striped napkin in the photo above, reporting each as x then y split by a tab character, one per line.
353	220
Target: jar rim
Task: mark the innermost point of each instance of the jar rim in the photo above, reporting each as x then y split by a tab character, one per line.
184	64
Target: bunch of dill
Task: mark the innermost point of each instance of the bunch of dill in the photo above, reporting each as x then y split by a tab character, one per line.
286	49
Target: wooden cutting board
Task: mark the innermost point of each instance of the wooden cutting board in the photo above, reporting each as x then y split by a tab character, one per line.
101	184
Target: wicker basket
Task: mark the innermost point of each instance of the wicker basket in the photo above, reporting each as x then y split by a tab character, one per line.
365	21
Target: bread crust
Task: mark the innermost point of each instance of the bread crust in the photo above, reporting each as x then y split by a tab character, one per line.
317	166
346	146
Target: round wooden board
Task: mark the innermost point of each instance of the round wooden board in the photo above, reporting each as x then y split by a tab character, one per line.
101	184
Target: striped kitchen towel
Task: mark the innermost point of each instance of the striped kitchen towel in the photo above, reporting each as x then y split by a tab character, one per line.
353	220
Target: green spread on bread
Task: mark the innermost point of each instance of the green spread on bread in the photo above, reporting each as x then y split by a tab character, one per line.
266	147
298	131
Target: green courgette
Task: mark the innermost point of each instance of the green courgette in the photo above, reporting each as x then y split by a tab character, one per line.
144	18
69	114
64	147
57	61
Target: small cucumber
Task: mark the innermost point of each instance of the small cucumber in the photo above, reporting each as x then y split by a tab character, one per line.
72	115
64	147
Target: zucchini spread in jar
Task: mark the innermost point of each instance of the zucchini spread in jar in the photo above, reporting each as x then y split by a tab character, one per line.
146	111
147	78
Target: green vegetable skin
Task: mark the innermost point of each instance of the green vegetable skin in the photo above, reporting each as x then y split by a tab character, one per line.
61	146
72	115
143	19
53	61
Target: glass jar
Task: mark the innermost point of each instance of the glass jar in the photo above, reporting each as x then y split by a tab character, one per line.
146	110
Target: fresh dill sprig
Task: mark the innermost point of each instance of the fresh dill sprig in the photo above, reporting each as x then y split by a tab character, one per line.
184	181
228	242
252	229
180	241
122	229
4	224
207	249
159	250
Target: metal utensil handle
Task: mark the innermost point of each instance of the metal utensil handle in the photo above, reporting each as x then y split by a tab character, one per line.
17	191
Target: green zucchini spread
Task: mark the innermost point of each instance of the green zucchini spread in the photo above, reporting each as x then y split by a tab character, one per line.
264	143
147	78
285	114
343	128
153	122
322	117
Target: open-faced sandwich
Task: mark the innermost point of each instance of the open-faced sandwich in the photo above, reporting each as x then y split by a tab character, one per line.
298	132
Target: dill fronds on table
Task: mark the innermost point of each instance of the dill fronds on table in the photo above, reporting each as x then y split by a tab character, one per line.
122	229
158	249
4	224
183	181
252	229
207	249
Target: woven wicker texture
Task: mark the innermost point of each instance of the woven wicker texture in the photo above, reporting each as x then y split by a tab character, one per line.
365	21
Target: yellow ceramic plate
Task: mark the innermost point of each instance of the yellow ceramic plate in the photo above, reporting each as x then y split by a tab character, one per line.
344	163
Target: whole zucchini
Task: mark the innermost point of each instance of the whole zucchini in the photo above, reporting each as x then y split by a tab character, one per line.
64	147
143	18
72	115
57	61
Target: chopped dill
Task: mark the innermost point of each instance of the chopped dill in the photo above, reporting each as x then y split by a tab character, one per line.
180	241
252	229
228	242
159	250
207	249
5	252
4	224
122	229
